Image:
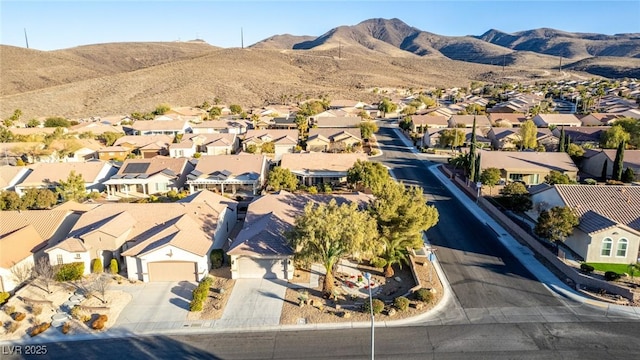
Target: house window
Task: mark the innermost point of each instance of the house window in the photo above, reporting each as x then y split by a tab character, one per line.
59	259
161	187
606	247
516	177
77	256
622	248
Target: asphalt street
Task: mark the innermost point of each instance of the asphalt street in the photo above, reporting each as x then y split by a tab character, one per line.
482	273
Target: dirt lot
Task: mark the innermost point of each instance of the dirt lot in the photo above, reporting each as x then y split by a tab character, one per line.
347	309
217	299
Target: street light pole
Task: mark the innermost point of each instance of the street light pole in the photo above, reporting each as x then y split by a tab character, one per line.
368	277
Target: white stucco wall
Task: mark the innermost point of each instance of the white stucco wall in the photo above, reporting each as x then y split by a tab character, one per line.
591	246
69	257
227	221
9	282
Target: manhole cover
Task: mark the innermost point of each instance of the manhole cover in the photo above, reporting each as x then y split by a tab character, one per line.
302	321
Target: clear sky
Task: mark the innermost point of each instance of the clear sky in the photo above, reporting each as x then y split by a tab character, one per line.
56	25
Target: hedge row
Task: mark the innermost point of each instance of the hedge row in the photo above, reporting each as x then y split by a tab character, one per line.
200	294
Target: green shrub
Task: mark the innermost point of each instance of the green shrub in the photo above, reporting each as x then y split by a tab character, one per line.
70	272
12	327
586	268
401	303
378	262
197	155
76	313
217	258
423	295
66	327
9	309
611	276
113	266
96	266
378	306
200	294
590	182
312	190
3	297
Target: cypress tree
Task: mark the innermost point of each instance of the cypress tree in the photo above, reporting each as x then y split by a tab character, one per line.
472	152
567	143
561	144
477	170
618	162
604	170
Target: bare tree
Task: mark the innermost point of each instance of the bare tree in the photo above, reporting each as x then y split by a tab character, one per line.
22	272
100	285
44	274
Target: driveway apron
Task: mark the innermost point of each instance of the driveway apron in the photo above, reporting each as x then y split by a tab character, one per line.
254	303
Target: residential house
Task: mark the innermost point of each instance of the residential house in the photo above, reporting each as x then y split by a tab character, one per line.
261	250
510	139
117	153
188	112
337	122
547	120
341	104
220	126
424	122
321	168
28	152
36	131
507	120
208	144
457	121
593	162
599	119
161	127
23	237
172	245
140	178
243	174
333	139
431	137
147	146
11	175
49	175
588	136
527	166
609	229
285	122
78	150
96	128
331	113
284	141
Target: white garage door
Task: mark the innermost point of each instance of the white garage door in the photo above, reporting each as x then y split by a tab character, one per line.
260	268
172	271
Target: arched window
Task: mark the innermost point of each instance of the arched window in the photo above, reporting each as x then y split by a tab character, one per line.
622	248
606	247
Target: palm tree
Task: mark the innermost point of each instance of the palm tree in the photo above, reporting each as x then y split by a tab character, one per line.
395	252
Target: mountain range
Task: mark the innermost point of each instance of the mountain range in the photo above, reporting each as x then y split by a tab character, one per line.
345	62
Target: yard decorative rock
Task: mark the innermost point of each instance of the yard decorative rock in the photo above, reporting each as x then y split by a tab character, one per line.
391	312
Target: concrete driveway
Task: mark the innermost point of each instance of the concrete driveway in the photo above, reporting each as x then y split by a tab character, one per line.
155	305
254	303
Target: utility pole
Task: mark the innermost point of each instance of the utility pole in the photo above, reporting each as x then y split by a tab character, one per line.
504	62
26	40
560	64
241	38
340	50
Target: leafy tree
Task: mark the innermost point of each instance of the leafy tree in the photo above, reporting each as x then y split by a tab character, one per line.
73	188
556	177
53	122
605	166
368	175
6	135
556	223
329	232
109	138
409	110
528	134
561	144
611	138
490	177
628	175
252	148
451	137
10	200
367	128
575	151
406	123
303	125
471	171
618	162
162	109
45	274
96	266
268	148
215	112
402	215
38	199
311	108
460	161
632	127
427	101
281	178
387	106
514	188
235	109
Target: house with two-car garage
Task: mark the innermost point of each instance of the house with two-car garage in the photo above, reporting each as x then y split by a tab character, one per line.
261	250
151	241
